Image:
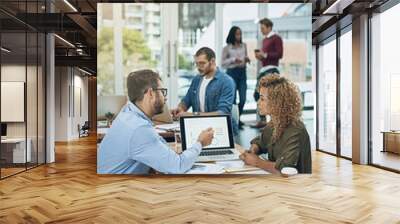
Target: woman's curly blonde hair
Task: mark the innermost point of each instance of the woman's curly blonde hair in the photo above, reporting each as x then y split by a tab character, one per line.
285	103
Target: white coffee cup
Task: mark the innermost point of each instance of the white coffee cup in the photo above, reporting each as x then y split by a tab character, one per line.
288	171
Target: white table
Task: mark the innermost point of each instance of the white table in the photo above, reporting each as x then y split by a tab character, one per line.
18	151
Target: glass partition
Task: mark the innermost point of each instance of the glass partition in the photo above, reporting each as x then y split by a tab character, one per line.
13	103
327	96
22	89
385	89
346	94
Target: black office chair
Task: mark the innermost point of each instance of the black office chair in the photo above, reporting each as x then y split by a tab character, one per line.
84	130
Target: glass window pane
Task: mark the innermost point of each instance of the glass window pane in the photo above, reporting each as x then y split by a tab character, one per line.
31	101
327	97
129	39
248	23
41	98
196	29
386	89
346	94
13	84
291	22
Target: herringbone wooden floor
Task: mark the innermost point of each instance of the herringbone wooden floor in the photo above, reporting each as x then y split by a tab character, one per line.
70	191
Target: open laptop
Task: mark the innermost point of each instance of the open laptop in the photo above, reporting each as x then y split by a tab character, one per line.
164	117
222	146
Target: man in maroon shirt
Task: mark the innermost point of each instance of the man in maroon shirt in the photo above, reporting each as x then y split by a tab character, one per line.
271	52
272	46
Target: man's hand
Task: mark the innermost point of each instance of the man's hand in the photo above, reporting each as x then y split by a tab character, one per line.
259	55
176	113
206	137
247	59
250	158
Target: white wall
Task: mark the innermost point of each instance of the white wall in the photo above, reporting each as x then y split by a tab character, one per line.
69	85
80	94
12	73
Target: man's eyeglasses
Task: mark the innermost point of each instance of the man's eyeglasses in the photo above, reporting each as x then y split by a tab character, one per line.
200	63
164	91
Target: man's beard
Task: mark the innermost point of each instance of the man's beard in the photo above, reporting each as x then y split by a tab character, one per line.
158	106
205	71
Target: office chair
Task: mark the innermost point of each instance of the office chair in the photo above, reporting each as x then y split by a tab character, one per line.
84	130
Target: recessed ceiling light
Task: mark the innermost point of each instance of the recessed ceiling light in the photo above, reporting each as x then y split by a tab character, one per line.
70	5
5	50
84	71
337	7
64	40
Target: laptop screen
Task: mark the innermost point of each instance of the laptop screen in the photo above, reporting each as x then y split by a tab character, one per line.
191	128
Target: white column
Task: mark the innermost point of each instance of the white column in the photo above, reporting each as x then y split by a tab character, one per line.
118	66
314	90
219	27
64	105
50	99
169	55
262	13
360	90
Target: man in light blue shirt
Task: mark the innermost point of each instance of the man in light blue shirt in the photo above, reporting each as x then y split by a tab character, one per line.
132	145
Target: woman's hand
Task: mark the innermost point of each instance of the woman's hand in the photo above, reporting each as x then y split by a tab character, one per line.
250	158
238	61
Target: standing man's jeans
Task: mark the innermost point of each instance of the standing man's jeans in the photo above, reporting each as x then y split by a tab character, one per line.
238	74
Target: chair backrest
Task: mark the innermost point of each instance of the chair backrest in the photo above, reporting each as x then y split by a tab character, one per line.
86	125
235	113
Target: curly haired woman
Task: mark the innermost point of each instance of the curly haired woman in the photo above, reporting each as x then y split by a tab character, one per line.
285	137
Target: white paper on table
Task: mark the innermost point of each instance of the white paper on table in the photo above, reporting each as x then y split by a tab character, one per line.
206	168
231	164
260	171
168	127
238	166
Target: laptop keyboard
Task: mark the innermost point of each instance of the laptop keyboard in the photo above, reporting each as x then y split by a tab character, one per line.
216	152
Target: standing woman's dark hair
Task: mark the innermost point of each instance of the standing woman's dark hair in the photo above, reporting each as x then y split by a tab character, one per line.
231	39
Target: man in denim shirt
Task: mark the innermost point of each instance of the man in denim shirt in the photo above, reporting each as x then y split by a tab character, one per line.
132	145
211	92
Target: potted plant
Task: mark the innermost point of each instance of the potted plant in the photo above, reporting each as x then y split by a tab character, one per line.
109	117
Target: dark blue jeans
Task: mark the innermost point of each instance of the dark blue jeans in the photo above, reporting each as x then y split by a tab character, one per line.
240	78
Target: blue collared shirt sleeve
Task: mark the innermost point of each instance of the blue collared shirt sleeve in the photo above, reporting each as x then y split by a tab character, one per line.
226	99
148	148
